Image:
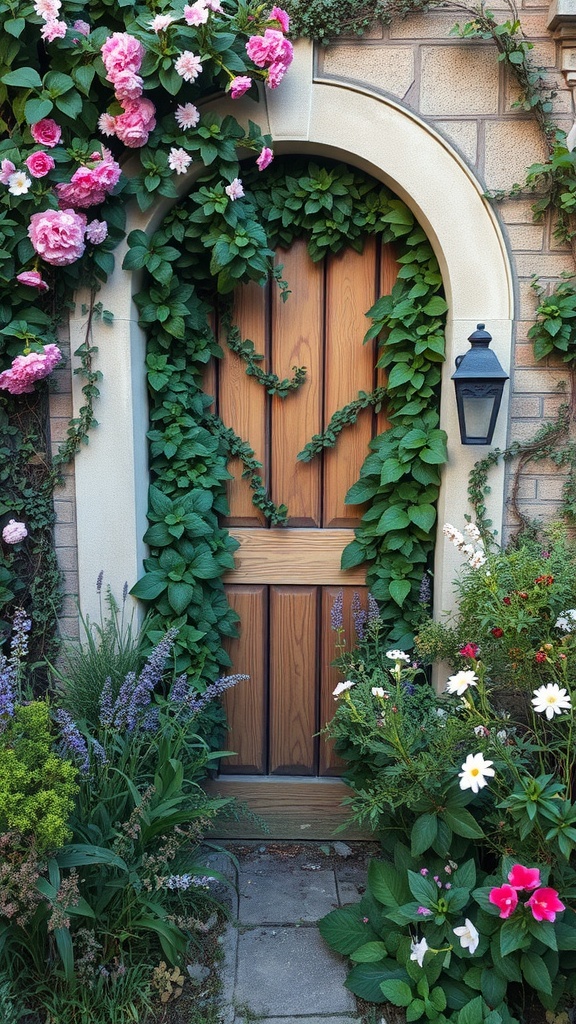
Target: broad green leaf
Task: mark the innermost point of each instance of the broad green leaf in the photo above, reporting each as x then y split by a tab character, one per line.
472	1013
386	884
370	952
23	78
394	518
493	987
424	832
512	936
35	110
535	972
345	930
423	516
397	992
463	823
150	586
364	980
399	590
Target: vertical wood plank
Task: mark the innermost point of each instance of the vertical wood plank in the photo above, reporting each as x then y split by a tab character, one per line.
246	703
242	401
293	680
297	341
388	274
330	763
350	291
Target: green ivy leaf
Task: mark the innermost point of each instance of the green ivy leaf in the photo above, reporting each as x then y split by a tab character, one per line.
23	78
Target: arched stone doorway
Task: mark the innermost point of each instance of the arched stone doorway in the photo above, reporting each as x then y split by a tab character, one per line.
375	133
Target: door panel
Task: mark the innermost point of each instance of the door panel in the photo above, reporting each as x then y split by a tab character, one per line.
286	578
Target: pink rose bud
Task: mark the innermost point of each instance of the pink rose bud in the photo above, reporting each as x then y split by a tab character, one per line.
33	278
14	532
265	159
239	85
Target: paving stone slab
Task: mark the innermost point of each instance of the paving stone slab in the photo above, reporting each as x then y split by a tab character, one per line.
227	973
306	1020
350	881
290	972
285	895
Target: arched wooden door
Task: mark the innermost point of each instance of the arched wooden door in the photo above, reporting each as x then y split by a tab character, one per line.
286	579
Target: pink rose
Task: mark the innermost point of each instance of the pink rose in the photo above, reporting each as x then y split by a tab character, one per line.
524	878
7	169
128	86
276	73
265	159
40	164
135	124
46	132
33	278
14	532
58	236
544	904
506	898
26	370
270	48
239	85
89	186
122	52
196	14
277	14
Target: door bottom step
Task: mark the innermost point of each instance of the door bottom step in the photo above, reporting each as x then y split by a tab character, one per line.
289	807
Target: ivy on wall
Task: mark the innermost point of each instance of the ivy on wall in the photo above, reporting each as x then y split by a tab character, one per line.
332	206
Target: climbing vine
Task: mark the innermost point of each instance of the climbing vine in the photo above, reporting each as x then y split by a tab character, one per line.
332	206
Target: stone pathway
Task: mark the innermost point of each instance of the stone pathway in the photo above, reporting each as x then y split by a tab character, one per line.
276	966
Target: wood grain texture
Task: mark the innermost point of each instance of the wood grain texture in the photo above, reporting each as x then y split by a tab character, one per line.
293	672
242	400
296	808
246	703
349	368
297	341
292	556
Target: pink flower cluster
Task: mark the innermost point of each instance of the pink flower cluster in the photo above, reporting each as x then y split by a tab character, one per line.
544	902
271	51
27	369
123	55
58	236
90	184
49	11
14	532
33	278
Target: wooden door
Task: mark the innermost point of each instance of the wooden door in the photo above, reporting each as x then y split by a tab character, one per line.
286	579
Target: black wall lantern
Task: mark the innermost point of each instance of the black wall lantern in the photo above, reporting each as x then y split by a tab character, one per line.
479	382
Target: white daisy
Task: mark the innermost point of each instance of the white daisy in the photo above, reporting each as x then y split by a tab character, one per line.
460	682
475	771
551	700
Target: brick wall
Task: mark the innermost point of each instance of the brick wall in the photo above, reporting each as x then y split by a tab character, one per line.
463	91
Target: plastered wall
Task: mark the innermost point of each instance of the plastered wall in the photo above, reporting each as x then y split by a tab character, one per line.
463	92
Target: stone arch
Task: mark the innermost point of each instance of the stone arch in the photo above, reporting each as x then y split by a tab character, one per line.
319	116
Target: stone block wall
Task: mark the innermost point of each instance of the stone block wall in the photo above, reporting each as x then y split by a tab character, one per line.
461	89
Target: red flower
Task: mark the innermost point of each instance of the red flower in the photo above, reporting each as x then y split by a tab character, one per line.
547	580
506	899
505	600
524	878
497	632
469	651
544	904
540	655
523	595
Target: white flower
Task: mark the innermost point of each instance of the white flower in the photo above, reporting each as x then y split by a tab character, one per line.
472	530
179	160
477	559
502	735
341	688
468	935
379	691
566	620
417	951
161	22
188	66
551	700
398	656
467	550
187	115
18	183
481	730
460	682
454	535
474	772
234	190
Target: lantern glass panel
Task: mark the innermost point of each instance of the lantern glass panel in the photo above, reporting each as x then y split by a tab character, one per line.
478	415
